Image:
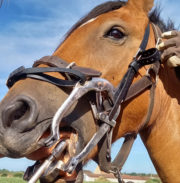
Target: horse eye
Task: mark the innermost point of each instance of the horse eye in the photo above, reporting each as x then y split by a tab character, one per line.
115	34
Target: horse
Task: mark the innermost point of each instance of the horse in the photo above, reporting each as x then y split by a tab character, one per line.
105	40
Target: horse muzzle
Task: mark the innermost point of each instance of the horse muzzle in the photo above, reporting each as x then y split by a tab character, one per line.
20	114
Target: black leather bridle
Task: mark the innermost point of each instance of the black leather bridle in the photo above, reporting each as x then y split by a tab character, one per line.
125	91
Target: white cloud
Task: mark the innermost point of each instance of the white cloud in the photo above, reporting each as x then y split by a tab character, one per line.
24	42
23	51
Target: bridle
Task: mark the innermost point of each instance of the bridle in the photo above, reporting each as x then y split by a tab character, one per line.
105	109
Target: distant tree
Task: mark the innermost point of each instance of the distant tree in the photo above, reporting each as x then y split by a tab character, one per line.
143	174
133	174
18	174
4	171
4	175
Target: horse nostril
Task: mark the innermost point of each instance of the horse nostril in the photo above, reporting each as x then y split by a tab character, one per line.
20	114
21	110
17	111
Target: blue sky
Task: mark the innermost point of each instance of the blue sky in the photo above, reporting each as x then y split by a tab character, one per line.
33	28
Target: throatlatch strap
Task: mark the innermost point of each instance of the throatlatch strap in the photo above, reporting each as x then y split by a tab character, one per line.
124	152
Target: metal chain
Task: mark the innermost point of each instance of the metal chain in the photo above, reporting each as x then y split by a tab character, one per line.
118	176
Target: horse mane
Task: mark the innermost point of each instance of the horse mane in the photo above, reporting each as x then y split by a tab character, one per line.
155	17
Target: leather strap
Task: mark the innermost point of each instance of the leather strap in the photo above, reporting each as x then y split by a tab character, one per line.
54	61
147	57
123	154
111	167
145	38
138	87
157	32
121	95
38	73
56	65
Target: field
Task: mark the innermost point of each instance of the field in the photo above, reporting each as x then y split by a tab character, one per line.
17	177
20	180
11	177
11	180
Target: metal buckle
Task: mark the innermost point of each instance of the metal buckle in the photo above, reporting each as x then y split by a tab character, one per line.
69	67
159	40
148	74
105	118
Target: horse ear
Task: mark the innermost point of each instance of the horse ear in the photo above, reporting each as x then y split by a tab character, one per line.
146	5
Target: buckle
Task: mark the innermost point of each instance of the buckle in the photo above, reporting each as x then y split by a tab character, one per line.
105	118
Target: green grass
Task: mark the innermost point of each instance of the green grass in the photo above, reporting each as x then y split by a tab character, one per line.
20	180
153	181
96	182
11	180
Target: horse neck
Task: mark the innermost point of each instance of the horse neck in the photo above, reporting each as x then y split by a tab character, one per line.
162	135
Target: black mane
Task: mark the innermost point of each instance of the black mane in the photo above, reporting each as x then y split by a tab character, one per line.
155	17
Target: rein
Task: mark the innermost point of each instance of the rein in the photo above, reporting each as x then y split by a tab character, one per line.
105	110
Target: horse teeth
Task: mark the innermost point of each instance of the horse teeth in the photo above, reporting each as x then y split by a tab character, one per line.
59	165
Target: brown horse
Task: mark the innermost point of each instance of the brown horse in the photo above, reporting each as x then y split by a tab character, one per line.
105	40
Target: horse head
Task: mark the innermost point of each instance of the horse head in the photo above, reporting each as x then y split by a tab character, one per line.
105	40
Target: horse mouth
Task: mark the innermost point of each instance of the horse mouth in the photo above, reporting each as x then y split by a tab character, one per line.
71	138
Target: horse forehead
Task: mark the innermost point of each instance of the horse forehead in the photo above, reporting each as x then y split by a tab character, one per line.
89	21
128	15
132	17
124	17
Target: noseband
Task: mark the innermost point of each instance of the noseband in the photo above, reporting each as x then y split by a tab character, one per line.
105	109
